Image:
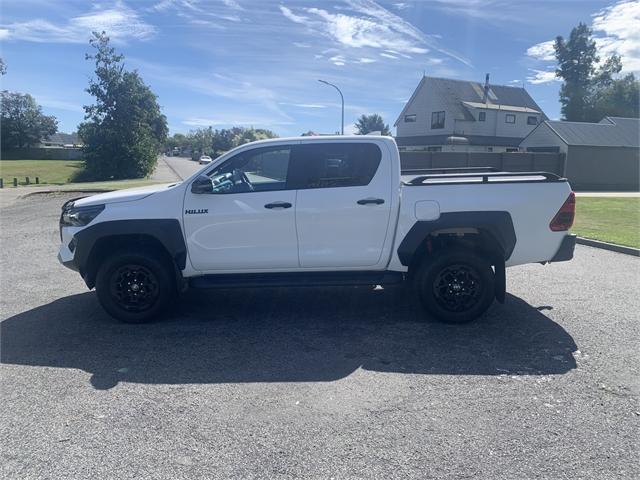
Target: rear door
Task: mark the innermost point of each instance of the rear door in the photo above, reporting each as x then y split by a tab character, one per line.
343	203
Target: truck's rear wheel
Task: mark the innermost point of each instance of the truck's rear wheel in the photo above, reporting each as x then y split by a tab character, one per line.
455	286
134	286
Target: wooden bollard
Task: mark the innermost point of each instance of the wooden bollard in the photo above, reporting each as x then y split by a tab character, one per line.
26	180
1	183
37	180
15	182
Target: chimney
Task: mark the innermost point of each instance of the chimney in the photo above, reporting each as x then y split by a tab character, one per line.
485	97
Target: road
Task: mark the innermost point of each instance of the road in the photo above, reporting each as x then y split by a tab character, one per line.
316	383
182	166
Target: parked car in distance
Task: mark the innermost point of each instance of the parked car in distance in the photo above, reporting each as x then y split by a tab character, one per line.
319	211
204	159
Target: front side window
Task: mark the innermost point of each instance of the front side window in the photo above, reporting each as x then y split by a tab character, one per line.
510	118
257	170
330	165
532	120
410	118
482	116
437	120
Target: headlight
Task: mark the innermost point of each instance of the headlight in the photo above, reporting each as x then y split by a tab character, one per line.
79	216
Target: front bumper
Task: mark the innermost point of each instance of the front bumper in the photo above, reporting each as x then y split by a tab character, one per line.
565	252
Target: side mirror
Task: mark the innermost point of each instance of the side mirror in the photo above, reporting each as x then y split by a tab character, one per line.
202	184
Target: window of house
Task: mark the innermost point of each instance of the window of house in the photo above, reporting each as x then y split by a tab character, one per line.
260	169
512	150
330	165
434	149
510	118
437	120
489	149
482	116
532	120
410	118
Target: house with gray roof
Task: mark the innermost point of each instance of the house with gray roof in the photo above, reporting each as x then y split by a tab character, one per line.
459	115
598	156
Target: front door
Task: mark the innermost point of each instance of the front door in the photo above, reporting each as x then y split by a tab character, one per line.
248	223
343	205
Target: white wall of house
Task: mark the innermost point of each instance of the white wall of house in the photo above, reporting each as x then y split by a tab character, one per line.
495	124
426	101
429	99
544	136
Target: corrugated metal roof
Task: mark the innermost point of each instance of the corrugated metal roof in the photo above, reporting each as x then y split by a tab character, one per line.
455	92
610	132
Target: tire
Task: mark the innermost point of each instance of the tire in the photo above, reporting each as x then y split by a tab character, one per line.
134	286
455	286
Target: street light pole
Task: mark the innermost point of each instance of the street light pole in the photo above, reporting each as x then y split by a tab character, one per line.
341	98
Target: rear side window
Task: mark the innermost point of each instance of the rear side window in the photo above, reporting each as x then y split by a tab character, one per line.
330	165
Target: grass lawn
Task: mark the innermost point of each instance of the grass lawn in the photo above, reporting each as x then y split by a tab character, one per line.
56	172
610	219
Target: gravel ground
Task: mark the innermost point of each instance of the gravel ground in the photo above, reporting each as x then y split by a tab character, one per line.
317	383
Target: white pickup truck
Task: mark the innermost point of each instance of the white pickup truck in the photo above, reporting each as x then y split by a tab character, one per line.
318	211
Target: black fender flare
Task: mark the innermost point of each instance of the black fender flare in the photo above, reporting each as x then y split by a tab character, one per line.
166	231
498	224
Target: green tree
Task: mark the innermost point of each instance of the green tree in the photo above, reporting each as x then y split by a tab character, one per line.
576	59
22	123
179	140
3	67
589	93
372	123
620	98
124	129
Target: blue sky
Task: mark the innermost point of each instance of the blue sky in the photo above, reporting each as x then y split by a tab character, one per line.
256	62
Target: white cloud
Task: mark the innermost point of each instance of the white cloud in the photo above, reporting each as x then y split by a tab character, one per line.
371	27
304	105
366	60
254	121
233	4
542	51
617	31
120	22
338	60
292	16
542	76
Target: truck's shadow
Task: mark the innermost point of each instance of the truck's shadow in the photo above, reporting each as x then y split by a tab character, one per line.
283	335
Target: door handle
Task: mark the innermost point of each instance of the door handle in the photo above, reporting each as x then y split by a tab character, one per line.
278	205
375	201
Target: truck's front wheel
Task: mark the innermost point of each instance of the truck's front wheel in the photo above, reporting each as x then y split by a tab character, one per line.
134	287
456	285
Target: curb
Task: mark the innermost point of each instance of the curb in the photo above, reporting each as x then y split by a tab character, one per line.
609	246
180	179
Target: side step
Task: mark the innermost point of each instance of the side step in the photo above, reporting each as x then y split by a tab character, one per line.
296	279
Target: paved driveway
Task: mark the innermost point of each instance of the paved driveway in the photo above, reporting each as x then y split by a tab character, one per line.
320	383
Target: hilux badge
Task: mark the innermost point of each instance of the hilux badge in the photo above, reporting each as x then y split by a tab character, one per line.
196	212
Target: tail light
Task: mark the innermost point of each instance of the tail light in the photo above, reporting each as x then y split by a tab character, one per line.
565	216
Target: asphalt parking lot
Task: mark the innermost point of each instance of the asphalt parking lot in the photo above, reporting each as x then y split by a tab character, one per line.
318	383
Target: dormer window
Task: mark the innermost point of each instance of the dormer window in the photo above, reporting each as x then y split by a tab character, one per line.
510	118
532	120
410	118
